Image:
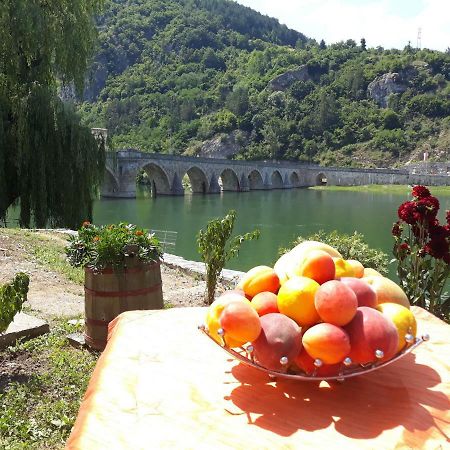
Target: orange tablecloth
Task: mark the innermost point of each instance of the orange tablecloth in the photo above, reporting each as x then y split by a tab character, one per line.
161	384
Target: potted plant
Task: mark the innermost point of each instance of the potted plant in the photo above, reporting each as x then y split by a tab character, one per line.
122	273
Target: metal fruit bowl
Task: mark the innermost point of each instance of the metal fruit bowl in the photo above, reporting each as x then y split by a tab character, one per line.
348	369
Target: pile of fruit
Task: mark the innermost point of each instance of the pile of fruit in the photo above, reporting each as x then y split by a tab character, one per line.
313	312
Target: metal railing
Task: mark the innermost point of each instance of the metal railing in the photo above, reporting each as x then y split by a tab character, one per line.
168	239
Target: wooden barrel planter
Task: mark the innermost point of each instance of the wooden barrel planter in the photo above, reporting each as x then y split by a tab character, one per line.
109	292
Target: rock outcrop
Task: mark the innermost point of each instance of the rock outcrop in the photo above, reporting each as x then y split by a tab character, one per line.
384	85
224	146
287	79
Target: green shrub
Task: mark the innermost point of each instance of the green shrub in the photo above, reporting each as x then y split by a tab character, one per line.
12	297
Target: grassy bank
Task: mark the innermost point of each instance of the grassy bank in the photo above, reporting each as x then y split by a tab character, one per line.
384	189
42	382
47	249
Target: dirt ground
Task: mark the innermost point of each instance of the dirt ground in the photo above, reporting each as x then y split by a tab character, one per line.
51	294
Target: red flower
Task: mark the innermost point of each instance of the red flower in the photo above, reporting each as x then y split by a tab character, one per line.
437	248
406	212
404	246
86	223
420	192
396	229
438	232
427	208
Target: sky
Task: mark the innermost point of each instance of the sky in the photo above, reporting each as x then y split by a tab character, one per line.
389	23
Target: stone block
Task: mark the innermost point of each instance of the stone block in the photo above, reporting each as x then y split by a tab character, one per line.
23	326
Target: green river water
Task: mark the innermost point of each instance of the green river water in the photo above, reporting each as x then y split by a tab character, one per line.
280	215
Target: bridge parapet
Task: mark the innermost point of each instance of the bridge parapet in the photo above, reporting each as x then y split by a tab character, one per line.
208	176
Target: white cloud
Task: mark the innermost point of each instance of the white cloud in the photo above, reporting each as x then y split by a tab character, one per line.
380	22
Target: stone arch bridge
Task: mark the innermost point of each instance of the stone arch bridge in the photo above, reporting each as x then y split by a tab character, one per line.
211	176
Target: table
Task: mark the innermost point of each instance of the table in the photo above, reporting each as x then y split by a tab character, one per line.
162	384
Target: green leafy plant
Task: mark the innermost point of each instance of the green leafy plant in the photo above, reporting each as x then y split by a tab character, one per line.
12	297
421	250
350	246
216	248
112	245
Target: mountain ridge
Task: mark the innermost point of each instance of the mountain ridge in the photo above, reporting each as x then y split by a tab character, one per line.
172	75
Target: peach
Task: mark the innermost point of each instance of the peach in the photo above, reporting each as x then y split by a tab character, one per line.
343	268
265	303
335	303
296	300
259	279
326	342
214	312
306	246
280	337
298	254
387	291
358	268
317	265
240	321
365	294
281	267
370	331
369	272
306	363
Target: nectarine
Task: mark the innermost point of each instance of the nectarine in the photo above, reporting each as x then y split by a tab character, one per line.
326	342
335	303
280	337
370	331
364	292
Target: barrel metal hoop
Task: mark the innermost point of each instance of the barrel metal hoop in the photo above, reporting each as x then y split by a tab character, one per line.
97	344
133	293
97	322
110	270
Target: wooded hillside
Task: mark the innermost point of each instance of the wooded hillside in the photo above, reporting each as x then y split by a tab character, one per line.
172	75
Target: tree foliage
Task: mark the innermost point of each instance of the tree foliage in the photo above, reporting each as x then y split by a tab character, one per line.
49	162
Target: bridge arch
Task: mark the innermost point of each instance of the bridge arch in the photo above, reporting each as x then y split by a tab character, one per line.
321	179
110	184
198	179
255	180
294	179
159	180
229	180
276	180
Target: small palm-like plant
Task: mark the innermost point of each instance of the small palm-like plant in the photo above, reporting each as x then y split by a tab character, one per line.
12	297
216	249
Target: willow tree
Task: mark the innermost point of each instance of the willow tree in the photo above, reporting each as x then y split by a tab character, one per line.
50	163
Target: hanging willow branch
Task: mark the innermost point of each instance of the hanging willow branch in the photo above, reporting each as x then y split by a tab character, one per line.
49	162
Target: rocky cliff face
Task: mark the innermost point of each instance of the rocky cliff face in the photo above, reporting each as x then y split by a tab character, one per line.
384	85
224	146
395	82
287	79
